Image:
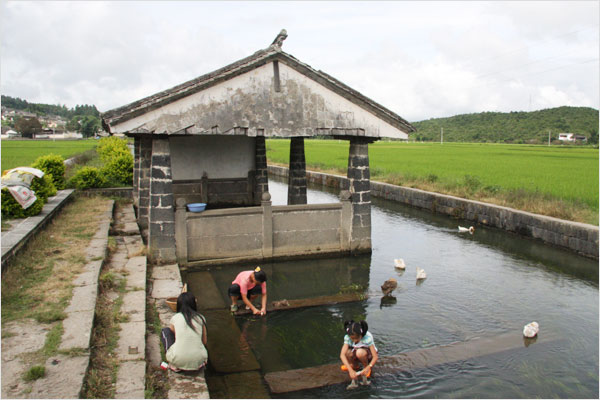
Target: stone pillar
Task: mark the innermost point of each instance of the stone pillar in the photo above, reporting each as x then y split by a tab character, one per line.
144	185
297	172
267	209
137	142
161	227
181	231
359	179
261	177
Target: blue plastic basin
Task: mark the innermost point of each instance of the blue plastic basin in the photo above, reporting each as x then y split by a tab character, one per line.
196	207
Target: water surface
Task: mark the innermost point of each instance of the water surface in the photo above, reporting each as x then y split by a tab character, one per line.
480	285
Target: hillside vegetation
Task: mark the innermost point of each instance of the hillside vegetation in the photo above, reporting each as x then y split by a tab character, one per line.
49	109
513	127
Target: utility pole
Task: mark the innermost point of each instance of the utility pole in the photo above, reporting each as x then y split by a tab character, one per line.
442	136
548	138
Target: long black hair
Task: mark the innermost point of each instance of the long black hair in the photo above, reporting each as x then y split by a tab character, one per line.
358	328
186	304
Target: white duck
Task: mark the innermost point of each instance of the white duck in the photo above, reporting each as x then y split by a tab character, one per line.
469	229
399	263
531	330
421	274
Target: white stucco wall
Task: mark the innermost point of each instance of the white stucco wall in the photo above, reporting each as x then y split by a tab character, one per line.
250	101
218	156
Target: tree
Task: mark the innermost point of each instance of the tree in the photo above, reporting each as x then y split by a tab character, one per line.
73	124
593	136
28	127
90	125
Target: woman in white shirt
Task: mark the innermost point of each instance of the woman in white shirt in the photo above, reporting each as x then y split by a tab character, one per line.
185	338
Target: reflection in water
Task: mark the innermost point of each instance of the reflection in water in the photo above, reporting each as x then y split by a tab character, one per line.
480	285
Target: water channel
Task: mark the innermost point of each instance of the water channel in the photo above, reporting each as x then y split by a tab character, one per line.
481	285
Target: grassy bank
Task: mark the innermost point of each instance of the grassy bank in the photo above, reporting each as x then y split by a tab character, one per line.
22	153
558	181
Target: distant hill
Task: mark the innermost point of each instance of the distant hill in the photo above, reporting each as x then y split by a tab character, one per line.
512	127
49	109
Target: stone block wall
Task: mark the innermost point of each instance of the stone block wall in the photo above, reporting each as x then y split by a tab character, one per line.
261	175
143	192
297	176
161	215
360	191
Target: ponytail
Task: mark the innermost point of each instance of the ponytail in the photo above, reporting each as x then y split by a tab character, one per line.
358	328
260	275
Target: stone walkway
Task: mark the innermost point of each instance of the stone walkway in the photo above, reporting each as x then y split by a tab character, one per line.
65	372
166	282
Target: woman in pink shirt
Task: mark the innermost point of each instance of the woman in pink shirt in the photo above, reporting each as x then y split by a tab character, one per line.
247	286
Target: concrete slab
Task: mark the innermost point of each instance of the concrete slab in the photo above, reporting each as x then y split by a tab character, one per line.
188	386
228	351
84	299
94	267
330	374
163	288
86	278
136	280
29	336
211	298
136	264
134	305
244	385
135	246
11	239
77	330
309	302
164	312
169	272
13	385
63	380
131	380
127	229
132	341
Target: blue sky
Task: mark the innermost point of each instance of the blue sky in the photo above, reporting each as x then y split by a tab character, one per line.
419	59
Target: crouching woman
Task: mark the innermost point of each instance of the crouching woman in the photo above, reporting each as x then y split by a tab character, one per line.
185	338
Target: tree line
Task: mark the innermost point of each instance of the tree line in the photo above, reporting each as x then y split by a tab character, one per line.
513	127
41	109
84	119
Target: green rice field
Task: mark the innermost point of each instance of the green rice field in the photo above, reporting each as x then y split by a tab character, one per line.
568	173
22	153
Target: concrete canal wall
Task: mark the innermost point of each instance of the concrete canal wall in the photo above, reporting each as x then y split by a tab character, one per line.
575	236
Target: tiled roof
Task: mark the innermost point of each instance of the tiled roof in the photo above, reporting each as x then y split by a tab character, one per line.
261	57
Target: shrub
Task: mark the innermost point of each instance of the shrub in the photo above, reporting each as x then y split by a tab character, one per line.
52	164
43	188
88	177
112	147
119	170
11	208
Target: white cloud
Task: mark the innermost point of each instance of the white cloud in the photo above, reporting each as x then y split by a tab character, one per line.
421	60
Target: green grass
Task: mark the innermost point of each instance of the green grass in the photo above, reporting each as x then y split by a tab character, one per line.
22	153
34	373
566	174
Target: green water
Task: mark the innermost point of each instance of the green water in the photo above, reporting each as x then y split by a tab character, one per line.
480	285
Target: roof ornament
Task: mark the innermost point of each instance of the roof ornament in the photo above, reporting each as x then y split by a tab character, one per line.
278	42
